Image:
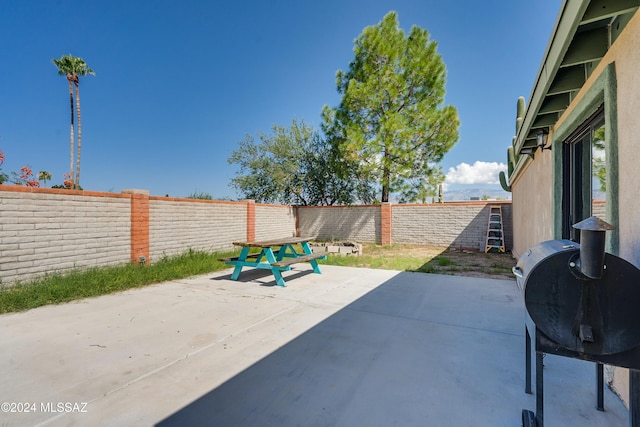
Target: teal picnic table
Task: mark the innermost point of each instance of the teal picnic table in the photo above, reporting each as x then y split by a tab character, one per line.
277	255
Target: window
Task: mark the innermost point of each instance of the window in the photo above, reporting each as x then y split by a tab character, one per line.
576	191
584	169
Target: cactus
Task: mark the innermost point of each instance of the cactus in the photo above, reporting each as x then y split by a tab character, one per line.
503	182
520	108
512	155
519	113
511	160
511	163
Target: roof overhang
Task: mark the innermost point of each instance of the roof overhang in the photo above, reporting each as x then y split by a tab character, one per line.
583	32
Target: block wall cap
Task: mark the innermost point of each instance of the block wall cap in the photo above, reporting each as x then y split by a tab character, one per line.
134	191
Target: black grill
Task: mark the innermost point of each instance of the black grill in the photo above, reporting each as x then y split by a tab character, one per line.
584	303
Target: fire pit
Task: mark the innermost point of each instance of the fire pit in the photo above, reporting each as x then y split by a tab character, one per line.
581	302
338	248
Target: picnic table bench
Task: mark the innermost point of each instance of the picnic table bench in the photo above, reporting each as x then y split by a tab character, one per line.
277	255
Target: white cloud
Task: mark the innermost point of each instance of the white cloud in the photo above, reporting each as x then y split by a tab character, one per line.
478	173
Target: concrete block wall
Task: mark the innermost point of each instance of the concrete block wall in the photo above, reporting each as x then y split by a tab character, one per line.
176	225
45	231
599	209
459	225
274	221
358	223
52	230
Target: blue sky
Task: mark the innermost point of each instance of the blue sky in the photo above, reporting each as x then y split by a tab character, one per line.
179	83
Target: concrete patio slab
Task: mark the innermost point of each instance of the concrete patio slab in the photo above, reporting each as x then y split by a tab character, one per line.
348	347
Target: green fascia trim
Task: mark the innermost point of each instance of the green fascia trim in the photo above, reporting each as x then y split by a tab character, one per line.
564	30
603	90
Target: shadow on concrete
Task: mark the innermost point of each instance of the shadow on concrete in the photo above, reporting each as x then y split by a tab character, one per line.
419	350
264	277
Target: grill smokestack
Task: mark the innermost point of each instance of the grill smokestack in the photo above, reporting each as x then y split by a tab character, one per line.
592	242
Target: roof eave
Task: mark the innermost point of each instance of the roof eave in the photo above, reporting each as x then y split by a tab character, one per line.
567	22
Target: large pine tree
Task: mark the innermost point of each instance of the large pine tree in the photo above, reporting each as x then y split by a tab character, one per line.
391	118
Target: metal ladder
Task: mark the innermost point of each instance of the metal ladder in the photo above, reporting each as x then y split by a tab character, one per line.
495	232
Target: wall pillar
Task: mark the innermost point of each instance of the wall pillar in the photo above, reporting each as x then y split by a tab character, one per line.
385	223
139	225
296	215
251	220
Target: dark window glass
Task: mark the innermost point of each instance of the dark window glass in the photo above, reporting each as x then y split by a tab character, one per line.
584	184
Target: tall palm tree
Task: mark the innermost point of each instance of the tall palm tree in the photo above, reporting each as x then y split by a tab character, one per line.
64	65
73	67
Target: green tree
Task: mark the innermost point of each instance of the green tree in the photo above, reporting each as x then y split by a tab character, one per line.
294	165
44	176
73	68
330	179
391	118
599	163
423	188
200	195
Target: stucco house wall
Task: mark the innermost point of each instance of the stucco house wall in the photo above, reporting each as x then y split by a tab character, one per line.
535	188
532	204
625	54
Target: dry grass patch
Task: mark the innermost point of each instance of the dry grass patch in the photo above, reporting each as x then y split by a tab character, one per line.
430	260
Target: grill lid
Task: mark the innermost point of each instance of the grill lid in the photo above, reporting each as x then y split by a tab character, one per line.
591	316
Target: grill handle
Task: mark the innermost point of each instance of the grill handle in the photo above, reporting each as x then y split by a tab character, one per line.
517	272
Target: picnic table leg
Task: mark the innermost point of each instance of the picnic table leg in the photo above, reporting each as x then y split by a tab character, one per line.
238	268
280	254
278	275
286	251
314	263
271	258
